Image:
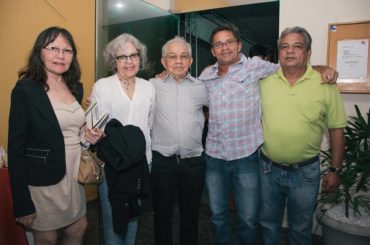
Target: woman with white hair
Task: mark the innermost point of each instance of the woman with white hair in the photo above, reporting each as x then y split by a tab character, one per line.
130	100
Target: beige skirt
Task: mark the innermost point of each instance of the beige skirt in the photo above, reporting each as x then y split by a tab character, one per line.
60	205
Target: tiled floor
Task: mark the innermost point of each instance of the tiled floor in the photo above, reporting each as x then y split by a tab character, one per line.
145	232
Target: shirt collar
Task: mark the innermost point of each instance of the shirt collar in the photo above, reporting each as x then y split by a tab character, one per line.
305	76
242	59
212	71
188	77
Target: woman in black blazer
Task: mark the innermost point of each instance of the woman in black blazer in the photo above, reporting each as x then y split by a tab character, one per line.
45	122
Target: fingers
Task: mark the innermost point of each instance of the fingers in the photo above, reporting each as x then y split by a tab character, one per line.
26	220
329	76
330	183
324	187
93	135
88	101
162	75
336	75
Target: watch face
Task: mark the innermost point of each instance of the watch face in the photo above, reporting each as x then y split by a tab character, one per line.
338	171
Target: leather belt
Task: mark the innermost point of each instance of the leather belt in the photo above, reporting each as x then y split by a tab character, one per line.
176	157
290	166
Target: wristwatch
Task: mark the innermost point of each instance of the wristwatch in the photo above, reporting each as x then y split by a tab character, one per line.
337	171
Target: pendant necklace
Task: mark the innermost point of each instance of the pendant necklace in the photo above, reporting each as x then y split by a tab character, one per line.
126	84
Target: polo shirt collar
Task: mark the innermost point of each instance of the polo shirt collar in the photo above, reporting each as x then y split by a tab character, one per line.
305	76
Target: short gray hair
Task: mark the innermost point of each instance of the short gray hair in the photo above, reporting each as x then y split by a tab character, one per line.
299	30
176	39
119	43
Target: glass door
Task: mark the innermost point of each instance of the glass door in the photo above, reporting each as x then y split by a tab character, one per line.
151	25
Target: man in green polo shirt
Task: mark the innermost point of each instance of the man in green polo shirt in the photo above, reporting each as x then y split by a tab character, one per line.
296	109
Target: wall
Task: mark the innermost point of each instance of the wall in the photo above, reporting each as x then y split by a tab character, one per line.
300	12
20	23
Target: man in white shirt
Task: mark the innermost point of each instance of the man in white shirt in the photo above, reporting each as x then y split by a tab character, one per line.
178	167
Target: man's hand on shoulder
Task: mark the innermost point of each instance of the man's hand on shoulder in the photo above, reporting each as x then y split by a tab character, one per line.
328	74
163	75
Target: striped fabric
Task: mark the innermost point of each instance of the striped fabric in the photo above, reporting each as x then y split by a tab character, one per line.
109	95
235	108
178	116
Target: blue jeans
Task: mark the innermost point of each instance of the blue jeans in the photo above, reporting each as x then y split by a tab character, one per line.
297	190
240	177
110	237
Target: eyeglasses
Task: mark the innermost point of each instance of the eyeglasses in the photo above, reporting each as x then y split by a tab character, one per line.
56	50
123	58
174	57
228	43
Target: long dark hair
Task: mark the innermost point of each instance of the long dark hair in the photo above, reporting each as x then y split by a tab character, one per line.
35	70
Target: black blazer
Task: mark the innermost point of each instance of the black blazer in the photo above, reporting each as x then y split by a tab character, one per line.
36	151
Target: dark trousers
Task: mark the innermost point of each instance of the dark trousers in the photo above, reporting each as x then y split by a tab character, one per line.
182	181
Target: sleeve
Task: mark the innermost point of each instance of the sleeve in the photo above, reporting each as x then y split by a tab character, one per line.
100	94
152	108
336	114
264	68
17	139
206	98
95	95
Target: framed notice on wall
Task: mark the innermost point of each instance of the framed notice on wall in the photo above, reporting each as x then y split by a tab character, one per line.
349	54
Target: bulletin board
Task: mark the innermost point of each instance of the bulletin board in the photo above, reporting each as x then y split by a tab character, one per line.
349	54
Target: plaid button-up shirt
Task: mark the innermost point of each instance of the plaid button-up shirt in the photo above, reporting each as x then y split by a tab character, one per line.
235	129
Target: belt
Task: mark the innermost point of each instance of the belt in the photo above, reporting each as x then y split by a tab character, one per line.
176	157
290	166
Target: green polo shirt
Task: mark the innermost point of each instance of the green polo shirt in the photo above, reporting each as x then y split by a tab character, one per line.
294	117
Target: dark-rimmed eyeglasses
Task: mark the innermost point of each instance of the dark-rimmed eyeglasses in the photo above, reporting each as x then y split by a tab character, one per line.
228	43
123	58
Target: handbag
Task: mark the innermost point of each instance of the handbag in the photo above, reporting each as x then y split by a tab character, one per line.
91	168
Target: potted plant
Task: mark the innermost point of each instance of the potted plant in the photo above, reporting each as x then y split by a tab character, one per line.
347	211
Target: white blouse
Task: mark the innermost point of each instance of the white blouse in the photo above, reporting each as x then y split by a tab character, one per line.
111	98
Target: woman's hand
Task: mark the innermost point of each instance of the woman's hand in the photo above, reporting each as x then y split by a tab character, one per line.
94	135
88	101
26	220
3	158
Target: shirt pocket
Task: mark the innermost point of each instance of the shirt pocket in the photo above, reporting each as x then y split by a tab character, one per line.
36	156
243	85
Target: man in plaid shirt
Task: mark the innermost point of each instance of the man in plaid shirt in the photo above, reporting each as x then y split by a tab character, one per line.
234	135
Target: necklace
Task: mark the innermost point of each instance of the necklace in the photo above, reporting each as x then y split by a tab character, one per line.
126	84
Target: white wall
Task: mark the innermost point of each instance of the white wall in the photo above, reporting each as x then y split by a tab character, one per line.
315	15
